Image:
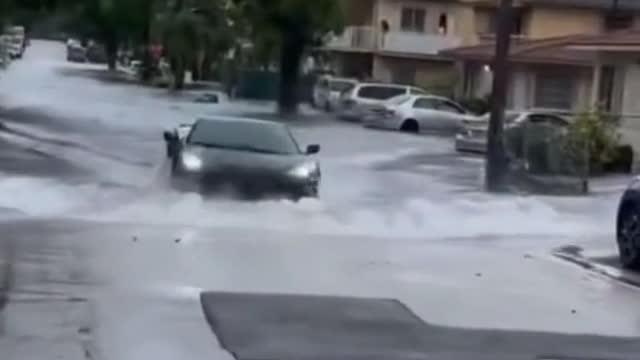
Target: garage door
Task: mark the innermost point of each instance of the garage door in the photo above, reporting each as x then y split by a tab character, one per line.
555	90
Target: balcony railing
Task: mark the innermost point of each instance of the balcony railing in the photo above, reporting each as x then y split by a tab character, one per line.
417	43
367	38
361	38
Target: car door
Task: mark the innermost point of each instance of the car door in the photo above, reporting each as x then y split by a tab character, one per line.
320	93
425	113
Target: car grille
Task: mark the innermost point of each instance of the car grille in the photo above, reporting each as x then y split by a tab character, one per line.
246	184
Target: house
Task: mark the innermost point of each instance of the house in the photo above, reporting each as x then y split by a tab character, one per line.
405	41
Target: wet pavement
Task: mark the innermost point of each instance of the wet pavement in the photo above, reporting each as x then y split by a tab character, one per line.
99	260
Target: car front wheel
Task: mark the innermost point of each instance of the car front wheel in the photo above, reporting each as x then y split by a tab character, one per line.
628	234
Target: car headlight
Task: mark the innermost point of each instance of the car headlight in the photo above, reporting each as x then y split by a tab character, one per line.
191	162
305	171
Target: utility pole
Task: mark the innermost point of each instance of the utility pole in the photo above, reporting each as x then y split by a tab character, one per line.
496	165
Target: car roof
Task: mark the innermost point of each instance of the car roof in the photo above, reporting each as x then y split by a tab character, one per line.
428	96
331	78
385	85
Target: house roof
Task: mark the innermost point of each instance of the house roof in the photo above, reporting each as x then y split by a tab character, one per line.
543	51
570	50
596	4
590	4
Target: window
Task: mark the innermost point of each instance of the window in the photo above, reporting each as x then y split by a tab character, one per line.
449	107
554	90
548	119
413	19
426	103
380	92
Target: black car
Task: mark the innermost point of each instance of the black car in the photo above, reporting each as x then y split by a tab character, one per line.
628	227
244	157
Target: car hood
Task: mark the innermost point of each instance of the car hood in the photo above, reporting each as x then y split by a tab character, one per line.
214	160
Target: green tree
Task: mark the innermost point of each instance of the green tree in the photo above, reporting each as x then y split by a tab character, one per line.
298	24
194	33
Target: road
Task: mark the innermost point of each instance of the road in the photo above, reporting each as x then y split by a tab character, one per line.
100	261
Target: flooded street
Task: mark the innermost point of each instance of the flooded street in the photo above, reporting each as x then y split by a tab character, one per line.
103	261
105	140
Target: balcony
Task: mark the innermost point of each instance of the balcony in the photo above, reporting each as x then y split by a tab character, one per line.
417	43
368	39
354	38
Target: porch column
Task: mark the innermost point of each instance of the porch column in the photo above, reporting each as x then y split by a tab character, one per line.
595	84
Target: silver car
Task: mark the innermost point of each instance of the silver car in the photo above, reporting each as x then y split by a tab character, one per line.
355	103
326	93
416	113
473	136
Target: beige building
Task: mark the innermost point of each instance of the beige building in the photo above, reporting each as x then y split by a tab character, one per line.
403	41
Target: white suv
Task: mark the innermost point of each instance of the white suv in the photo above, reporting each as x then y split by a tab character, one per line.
355	103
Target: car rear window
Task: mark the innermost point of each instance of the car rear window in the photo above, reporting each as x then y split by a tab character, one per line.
380	92
341	86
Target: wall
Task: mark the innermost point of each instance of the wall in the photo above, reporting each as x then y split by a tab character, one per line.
360	12
549	22
630	104
436	76
460	17
520	89
381	69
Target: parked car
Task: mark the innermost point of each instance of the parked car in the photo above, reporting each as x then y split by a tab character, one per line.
416	113
628	227
96	53
327	91
5	59
251	158
17	41
76	53
355	103
473	136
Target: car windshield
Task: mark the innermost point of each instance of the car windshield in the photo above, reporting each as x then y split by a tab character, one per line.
263	137
341	86
509	117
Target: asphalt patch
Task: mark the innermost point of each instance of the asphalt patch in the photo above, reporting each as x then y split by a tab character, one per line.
298	327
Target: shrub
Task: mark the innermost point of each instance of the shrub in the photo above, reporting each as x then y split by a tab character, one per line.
479	106
593	135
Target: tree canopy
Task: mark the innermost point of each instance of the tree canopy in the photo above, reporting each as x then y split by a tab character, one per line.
297	25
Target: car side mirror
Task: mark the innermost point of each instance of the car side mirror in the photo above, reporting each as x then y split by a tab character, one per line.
313	149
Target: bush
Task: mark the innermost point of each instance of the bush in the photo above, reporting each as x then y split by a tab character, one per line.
478	106
593	135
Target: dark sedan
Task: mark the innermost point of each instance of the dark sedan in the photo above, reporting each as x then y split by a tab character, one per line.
628	227
243	157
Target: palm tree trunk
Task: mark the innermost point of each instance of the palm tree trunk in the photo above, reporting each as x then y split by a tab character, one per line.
290	59
111	49
497	162
178	74
146	40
